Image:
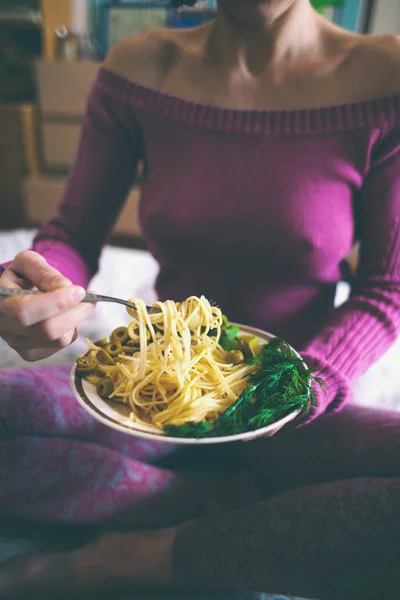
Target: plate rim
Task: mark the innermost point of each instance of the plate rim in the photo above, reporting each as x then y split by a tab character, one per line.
85	402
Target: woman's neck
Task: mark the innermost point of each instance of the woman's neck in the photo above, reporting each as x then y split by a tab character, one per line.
284	32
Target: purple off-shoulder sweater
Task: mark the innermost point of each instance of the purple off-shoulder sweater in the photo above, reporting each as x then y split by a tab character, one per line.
254	209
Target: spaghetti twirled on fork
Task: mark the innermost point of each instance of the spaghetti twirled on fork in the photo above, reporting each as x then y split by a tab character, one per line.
168	365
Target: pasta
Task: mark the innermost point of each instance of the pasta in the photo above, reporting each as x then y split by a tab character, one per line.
169	365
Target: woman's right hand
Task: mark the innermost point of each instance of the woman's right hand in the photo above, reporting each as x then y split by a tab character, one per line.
38	326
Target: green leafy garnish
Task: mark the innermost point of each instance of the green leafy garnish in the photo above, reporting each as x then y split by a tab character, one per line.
232	332
229	335
227	344
194	430
280	384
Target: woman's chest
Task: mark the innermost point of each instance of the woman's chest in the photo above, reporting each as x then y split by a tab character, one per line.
303	83
291	196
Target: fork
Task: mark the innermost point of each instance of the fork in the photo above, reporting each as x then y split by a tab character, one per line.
90	297
13	292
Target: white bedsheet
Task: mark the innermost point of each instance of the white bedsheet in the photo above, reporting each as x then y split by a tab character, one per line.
131	273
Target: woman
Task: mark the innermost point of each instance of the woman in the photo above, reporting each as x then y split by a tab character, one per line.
272	141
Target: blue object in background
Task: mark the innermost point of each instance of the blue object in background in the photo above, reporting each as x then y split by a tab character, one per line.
100	17
113	21
185	19
349	15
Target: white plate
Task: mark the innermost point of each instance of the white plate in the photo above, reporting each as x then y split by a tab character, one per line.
116	414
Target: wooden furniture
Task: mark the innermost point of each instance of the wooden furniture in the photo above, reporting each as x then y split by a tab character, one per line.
63	88
18	157
41	196
54	14
23	25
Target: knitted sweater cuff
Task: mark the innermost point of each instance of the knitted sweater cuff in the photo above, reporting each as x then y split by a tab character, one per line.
331	396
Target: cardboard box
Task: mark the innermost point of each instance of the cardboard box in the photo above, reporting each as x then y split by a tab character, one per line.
63	87
18	159
59	143
41	196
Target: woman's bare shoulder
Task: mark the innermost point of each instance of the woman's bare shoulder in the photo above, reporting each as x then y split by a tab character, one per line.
146	58
376	63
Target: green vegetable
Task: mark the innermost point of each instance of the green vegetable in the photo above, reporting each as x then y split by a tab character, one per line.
229	335
189	430
236	357
84	365
248	345
279	385
120	335
104	358
113	349
105	387
227	344
232	332
128	350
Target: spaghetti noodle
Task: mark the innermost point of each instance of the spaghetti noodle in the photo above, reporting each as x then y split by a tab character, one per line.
169	365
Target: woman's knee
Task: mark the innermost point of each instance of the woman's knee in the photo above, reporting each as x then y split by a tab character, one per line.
356	442
30	399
